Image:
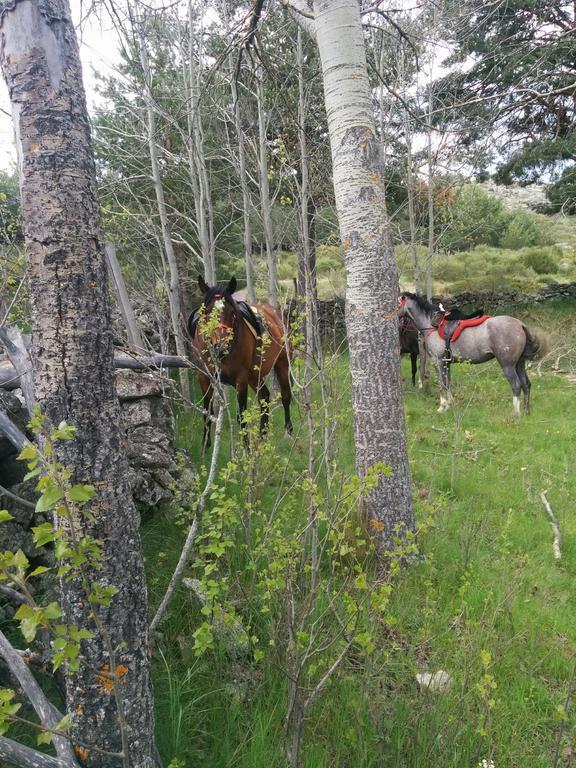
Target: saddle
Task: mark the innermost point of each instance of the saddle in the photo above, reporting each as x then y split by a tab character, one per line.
454	322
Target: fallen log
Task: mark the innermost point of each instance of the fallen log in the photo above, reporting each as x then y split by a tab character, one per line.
9	378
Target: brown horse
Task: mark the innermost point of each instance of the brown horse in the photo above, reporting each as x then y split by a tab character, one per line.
245	345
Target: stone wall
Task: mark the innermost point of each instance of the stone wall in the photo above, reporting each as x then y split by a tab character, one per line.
148	423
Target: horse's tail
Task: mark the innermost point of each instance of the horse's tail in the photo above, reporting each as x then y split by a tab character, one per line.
537	344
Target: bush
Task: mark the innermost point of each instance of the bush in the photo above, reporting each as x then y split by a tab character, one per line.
287	265
329	258
474	217
544	261
524	231
562	194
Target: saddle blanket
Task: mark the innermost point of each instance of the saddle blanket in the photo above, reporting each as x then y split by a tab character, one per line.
462	324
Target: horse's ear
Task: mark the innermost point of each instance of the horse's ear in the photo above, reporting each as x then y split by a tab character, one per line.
231	287
202	285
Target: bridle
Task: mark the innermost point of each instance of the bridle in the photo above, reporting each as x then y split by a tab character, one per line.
424	332
231	330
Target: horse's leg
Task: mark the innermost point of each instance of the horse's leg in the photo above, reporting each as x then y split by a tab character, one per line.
413	360
524	382
207	395
423	364
514	379
242	397
444	381
263	395
282	370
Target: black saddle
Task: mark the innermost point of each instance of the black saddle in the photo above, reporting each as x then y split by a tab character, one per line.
253	318
246	311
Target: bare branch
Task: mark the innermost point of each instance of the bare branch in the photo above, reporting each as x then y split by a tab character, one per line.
46	711
19	756
554	524
179	570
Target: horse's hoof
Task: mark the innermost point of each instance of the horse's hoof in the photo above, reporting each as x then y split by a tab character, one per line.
289	429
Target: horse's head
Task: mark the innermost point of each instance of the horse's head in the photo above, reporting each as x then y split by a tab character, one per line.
403	304
220	312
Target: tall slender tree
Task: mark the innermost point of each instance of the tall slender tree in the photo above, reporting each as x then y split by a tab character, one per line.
372	276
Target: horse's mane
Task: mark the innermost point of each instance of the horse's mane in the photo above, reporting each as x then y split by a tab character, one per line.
422	302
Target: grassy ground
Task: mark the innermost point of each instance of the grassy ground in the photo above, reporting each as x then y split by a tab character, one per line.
487	602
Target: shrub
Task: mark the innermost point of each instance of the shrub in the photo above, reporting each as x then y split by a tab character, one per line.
524	231
562	194
543	261
287	265
329	258
473	218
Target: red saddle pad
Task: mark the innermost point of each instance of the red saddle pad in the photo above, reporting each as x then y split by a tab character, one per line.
471	323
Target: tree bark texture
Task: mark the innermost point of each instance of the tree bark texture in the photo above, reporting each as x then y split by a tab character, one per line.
246	197
372	276
197	160
265	205
73	376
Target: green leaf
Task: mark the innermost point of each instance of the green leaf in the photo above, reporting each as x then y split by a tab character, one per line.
52	611
49	499
28	452
39	570
20	560
44	737
43	534
5	516
29	627
82	493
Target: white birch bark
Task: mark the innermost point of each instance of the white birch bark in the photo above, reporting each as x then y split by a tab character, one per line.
246	199
372	277
411	210
265	205
197	161
174	282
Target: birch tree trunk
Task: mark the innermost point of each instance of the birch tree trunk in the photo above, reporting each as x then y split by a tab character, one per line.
431	239
372	277
73	354
307	254
265	195
174	282
411	211
246	200
197	162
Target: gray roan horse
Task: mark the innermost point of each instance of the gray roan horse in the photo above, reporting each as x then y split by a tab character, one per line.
502	337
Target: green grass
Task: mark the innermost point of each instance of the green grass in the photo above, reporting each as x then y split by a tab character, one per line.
487	584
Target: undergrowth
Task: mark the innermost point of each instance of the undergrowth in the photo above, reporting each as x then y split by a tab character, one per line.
485	601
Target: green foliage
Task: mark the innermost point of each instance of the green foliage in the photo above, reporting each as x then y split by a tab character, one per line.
329	258
486	603
542	260
515	79
10	224
474	217
562	194
77	557
524	231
